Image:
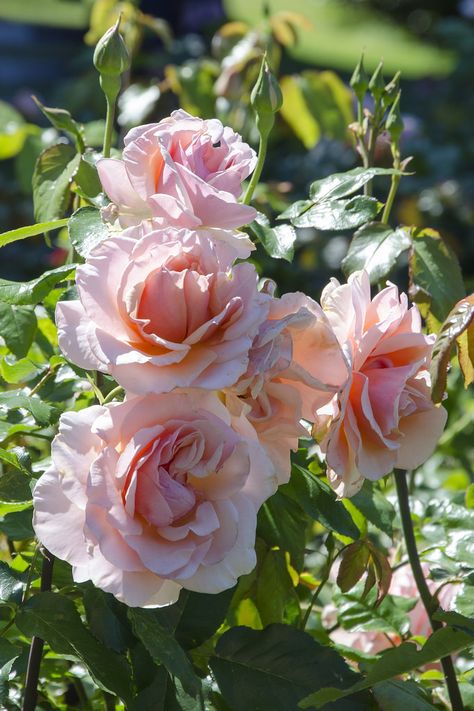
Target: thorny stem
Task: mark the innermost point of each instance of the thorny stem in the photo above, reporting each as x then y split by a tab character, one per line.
429	602
262	152
37	644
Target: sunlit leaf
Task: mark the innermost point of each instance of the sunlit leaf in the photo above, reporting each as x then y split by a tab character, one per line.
375	247
86	230
53	174
30	231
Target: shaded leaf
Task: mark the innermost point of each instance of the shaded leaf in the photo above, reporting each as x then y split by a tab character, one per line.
30	231
18	458
395	695
335	215
54	618
103	621
18	326
319	501
276	597
86	230
11	585
275	667
163	647
435	276
277	241
375	247
32	292
86	177
459	319
396	661
17	525
201	616
353	565
281	523
375	506
53	173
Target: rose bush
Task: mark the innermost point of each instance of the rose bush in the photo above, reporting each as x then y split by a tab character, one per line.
183	171
154	494
167	311
384	416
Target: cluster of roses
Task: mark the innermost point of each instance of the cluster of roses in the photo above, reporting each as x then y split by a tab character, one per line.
162	491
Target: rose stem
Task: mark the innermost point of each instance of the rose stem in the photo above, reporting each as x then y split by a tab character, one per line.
36	648
427	599
262	152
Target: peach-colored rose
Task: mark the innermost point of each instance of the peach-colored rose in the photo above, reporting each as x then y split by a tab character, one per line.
384	417
154	494
157	316
295	366
182	171
402	585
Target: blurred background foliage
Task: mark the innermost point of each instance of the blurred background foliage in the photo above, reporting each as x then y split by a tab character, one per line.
204	56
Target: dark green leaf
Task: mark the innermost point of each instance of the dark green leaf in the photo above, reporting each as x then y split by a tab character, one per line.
14	487
341	185
18	326
153	697
17	525
43	413
18	458
87	178
103	621
276	597
86	230
396	695
281	522
32	292
458	320
53	173
30	231
11	585
338	215
396	661
274	668
319	501
54	617
375	507
201	616
163	647
435	276
353	565
277	241
63	121
375	247
358	612
454	619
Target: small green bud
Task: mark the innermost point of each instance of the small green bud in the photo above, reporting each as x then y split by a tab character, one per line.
111	56
360	80
377	83
266	98
391	91
394	122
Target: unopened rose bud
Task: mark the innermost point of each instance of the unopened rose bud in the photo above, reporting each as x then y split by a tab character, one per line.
266	98
377	83
394	122
111	56
391	91
360	80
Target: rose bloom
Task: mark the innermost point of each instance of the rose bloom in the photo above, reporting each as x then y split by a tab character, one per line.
182	171
157	316
154	494
295	366
402	585
384	417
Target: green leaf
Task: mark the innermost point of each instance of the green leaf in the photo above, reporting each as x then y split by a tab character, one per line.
43	413
375	247
201	616
341	185
319	501
86	230
14	487
296	112
353	565
18	458
459	319
335	215
275	667
87	178
54	618
396	695
30	231
17	525
103	622
276	597
164	648
16	371
281	523
277	241
396	661
359	612
32	292
18	326
375	507
52	176
454	619
63	121
436	282
11	585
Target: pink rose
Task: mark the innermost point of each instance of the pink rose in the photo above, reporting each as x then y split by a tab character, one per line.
295	366
182	171
157	316
384	416
154	494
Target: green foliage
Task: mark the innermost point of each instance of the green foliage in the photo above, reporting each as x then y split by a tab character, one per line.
30	231
18	326
86	230
278	241
375	248
54	171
